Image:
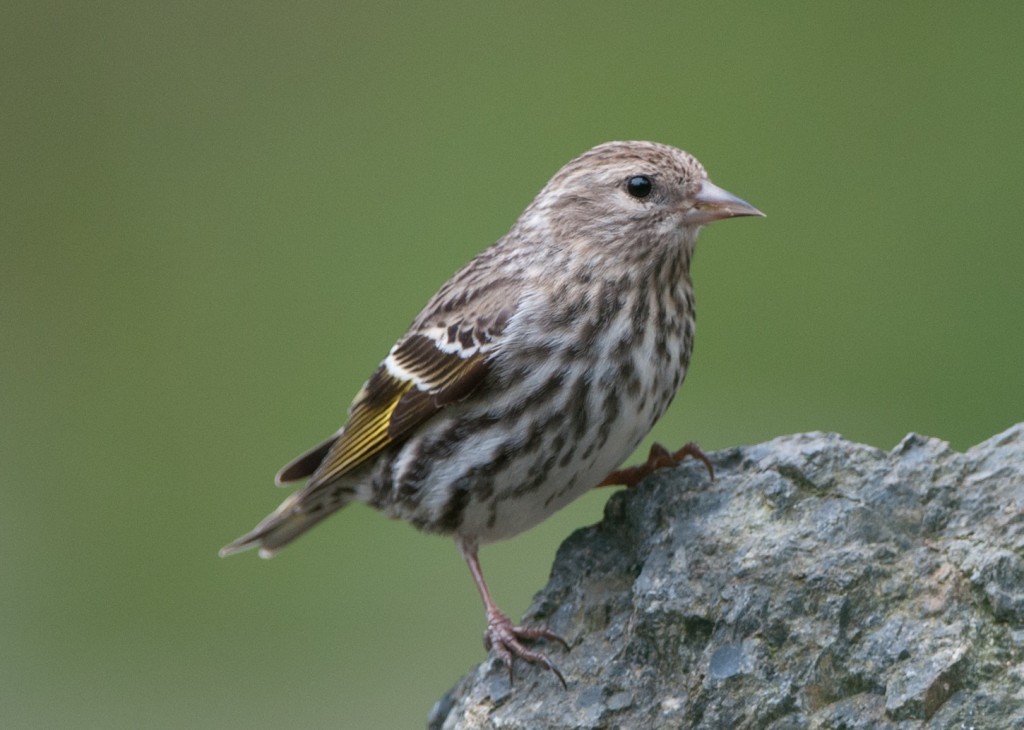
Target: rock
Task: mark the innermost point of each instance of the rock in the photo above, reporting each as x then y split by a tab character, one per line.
817	583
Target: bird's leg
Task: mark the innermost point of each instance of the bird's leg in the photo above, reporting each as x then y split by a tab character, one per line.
658	458
501	635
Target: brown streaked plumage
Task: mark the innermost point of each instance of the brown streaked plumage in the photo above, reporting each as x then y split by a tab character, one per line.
531	374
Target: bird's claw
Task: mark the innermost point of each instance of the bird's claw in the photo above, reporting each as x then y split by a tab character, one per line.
658	458
506	641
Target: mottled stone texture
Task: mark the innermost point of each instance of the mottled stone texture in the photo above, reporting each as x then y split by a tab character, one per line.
817	583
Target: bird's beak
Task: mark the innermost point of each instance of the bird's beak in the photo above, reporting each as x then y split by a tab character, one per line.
711	203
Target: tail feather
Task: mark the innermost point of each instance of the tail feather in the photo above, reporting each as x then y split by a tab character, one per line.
297	514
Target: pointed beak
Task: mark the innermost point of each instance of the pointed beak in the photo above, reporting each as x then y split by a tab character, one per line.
711	203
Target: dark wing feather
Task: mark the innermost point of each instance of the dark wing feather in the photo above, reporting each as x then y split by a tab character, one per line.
416	381
442	360
304	466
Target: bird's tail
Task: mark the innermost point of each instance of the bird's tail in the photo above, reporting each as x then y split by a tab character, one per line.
298	513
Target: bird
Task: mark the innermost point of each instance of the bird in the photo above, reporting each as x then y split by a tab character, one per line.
531	374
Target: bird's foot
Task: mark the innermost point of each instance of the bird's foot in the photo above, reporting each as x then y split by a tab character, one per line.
506	641
658	458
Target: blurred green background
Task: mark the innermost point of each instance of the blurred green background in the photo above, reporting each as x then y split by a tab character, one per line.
217	217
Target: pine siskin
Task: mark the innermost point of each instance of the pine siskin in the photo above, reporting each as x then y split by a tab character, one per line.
533	372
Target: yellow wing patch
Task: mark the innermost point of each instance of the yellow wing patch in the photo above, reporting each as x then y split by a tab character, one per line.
366	432
389	407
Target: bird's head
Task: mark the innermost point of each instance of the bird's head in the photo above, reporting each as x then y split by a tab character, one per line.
630	197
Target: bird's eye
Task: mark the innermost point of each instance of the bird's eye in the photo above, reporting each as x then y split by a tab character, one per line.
639	186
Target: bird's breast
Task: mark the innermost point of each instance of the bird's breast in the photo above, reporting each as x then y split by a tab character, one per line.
563	407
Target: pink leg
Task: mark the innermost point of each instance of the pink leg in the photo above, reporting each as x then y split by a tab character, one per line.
501	635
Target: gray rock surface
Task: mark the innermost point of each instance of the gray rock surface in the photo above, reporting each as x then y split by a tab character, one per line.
817	583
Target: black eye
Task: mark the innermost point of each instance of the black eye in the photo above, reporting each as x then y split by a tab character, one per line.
639	186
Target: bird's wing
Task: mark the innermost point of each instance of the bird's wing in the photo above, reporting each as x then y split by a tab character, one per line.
415	381
441	360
